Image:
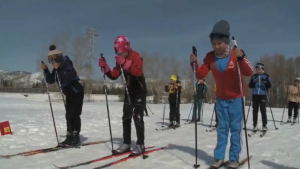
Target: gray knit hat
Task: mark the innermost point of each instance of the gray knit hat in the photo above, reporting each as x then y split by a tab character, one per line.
221	31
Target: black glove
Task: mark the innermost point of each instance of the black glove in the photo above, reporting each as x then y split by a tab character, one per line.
166	88
243	56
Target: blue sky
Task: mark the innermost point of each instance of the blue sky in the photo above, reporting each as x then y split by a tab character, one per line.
168	27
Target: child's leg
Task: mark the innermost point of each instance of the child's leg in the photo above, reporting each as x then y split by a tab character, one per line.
222	108
236	128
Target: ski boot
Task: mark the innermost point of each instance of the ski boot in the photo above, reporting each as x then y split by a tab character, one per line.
295	120
255	128
217	164
289	120
139	149
233	165
67	141
171	124
265	128
75	140
177	125
122	149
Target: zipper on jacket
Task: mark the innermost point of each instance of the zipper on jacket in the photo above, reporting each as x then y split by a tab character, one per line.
258	84
222	85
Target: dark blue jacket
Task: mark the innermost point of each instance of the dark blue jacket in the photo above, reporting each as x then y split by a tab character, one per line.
260	83
68	77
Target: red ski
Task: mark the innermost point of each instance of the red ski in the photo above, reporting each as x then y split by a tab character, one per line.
45	150
130	157
97	160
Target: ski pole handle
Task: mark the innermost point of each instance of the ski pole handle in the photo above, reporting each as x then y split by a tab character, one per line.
234	42
101	54
194	50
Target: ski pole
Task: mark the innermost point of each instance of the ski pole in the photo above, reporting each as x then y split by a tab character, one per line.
195	102
202	107
212	116
249	107
192	106
270	107
107	107
283	113
248	111
298	113
47	87
62	95
164	115
243	104
149	108
284	109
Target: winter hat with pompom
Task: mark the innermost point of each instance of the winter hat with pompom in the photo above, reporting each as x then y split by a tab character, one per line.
54	54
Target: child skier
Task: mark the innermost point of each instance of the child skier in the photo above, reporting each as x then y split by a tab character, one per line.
201	93
293	96
222	61
130	64
64	73
260	83
174	89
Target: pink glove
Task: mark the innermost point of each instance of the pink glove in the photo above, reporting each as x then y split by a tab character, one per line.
104	66
122	61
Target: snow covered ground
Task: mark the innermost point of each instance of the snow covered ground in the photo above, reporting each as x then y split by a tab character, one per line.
32	127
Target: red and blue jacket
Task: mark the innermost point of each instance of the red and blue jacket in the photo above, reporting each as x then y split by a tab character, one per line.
225	73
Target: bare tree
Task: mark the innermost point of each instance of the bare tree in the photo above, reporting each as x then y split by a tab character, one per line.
82	63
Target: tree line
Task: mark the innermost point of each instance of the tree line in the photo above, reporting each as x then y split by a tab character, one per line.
158	69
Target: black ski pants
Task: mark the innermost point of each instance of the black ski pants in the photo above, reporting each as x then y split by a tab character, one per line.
175	113
74	104
138	102
295	106
259	101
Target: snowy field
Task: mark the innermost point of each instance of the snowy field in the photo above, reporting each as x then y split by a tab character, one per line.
32	127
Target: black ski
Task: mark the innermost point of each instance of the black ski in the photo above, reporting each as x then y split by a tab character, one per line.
241	163
227	162
263	133
222	165
167	128
211	130
282	123
293	123
253	132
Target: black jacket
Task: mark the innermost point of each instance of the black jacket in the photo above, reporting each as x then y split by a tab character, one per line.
174	94
67	76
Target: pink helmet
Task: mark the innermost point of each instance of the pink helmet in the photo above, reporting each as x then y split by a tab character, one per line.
121	44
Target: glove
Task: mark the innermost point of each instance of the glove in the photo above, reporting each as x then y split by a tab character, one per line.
126	64
120	60
166	88
104	66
